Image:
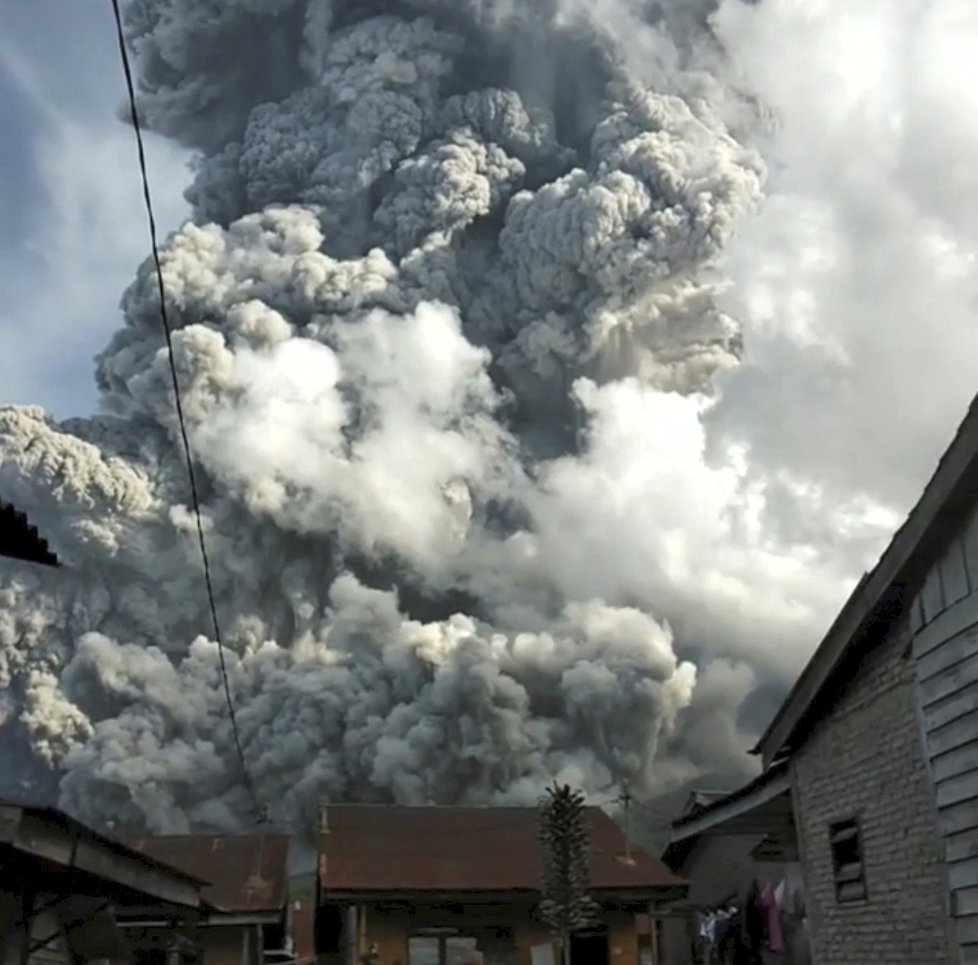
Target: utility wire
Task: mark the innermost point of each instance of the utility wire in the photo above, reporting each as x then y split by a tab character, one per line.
658	813
649	808
134	114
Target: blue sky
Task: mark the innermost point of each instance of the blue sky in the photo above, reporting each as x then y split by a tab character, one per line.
74	228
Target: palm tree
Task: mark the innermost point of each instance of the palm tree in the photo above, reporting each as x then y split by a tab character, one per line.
567	905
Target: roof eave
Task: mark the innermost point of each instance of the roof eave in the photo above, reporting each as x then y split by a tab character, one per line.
826	658
659	892
764	788
890	581
43	831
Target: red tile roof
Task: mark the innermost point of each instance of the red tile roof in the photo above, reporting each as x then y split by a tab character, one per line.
246	872
376	848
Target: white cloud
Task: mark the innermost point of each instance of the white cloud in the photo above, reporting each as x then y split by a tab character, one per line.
857	281
641	515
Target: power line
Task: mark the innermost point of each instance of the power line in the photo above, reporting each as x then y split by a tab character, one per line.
625	801
634	802
134	114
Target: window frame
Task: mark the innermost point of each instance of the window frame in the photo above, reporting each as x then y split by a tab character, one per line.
845	838
442	936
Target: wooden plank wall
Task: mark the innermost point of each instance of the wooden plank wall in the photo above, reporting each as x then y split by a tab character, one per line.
945	625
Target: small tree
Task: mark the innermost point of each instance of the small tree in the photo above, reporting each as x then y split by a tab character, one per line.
567	905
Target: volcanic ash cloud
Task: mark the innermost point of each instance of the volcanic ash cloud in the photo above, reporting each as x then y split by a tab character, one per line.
440	259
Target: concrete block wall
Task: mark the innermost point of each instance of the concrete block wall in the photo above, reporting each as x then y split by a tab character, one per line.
865	760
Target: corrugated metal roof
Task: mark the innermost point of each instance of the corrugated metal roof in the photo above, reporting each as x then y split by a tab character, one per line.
246	872
12	813
476	849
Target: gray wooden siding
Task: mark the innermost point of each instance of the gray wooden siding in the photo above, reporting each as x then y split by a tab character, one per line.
944	618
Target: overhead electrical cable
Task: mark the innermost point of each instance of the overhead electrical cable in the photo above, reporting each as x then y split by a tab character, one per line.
194	493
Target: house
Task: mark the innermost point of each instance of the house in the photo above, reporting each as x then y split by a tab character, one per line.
20	541
246	917
723	843
432	885
66	891
876	746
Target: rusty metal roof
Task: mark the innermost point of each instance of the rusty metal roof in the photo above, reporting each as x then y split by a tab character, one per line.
377	848
247	873
23	823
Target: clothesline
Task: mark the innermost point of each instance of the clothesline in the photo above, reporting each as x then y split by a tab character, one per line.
739	929
742	928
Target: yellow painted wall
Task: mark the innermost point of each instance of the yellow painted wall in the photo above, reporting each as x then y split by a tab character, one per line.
390	932
622	940
528	934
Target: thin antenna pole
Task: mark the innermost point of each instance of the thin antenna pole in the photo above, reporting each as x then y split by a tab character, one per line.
626	801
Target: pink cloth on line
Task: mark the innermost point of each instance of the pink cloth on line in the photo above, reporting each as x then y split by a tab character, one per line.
775	940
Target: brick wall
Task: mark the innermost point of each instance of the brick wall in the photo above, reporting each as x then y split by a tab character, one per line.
864	759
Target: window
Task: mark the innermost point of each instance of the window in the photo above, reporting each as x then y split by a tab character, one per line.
329	929
847	861
457	950
424	950
440	949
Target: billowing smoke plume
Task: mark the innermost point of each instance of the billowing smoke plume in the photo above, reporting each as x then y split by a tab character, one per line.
446	326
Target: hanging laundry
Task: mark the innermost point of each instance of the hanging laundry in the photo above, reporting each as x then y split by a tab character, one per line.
729	947
772	921
779	893
717	937
753	924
